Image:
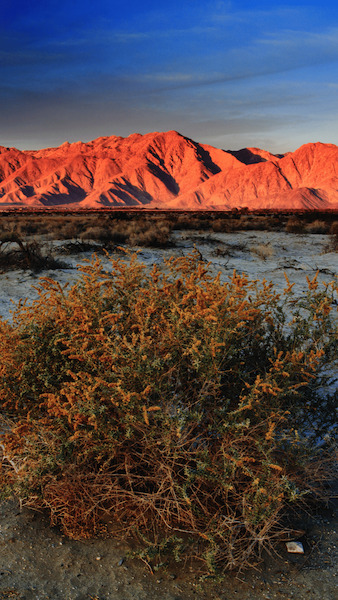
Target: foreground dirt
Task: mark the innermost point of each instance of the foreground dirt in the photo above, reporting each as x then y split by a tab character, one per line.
38	563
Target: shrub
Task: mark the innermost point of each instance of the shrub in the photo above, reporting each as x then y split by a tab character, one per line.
154	236
294	225
223	225
141	232
248	223
263	251
97	233
192	221
167	399
317	226
333	244
18	254
70	229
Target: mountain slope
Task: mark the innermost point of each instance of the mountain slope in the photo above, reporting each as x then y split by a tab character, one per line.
168	170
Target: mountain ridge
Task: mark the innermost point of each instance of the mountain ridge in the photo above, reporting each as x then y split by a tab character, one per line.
169	171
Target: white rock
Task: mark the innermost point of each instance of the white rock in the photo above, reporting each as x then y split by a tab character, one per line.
295	547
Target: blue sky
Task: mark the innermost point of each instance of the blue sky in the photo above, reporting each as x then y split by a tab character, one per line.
231	74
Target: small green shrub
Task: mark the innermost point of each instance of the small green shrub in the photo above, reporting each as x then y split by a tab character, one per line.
169	400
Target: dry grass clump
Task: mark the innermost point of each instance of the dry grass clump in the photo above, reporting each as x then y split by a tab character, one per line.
317	226
294	225
167	400
250	223
141	231
263	251
247	223
69	229
52	226
150	233
333	243
103	235
224	225
191	221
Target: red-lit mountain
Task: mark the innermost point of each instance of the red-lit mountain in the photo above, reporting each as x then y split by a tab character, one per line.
168	170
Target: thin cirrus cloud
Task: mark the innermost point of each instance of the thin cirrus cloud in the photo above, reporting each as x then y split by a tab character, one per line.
266	56
271	54
213	70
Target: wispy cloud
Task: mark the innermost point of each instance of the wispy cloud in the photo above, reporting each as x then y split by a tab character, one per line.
290	40
228	12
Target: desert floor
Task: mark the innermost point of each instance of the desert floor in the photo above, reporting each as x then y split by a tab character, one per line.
258	254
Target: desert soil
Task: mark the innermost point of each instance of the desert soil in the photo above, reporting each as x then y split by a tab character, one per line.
258	254
38	563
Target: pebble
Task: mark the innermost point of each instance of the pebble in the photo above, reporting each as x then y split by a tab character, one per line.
295	547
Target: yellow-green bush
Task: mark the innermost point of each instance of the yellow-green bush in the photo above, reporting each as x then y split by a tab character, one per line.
167	399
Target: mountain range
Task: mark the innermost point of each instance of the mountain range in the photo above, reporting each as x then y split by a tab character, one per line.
169	171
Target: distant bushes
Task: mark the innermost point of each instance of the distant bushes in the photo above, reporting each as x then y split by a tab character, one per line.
333	243
154	229
317	226
170	401
297	224
294	225
132	233
105	230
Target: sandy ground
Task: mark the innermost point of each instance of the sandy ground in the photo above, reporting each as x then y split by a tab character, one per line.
298	255
38	563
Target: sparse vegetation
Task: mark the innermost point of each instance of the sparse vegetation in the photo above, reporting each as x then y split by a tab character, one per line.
103	229
317	226
263	251
333	243
294	225
15	253
137	228
174	403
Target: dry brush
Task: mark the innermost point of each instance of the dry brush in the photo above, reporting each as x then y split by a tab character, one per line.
171	401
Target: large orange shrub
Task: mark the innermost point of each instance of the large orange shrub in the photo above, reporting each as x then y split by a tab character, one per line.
168	399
